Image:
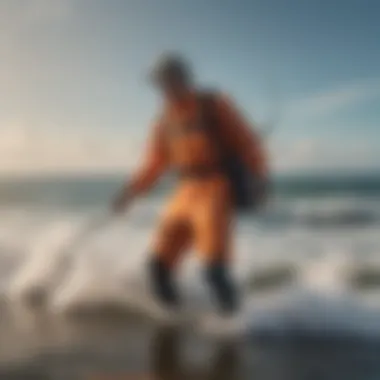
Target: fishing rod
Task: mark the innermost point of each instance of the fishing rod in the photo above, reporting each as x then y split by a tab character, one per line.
95	224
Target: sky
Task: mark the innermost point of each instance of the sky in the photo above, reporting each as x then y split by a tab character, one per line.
74	94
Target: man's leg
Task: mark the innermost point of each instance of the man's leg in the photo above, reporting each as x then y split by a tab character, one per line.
173	239
213	222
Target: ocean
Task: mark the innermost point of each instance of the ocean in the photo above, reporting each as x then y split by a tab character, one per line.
309	265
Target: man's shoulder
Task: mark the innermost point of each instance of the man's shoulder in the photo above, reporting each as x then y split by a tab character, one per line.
217	96
209	92
221	99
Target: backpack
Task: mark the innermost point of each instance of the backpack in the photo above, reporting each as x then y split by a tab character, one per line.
244	186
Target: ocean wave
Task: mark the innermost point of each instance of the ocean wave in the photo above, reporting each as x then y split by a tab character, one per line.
324	213
281	270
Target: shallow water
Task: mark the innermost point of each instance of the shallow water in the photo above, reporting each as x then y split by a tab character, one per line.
309	268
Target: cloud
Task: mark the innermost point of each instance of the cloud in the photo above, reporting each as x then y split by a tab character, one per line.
47	151
325	155
33	83
330	101
28	151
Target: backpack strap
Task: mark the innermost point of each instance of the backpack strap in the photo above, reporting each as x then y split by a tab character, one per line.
207	101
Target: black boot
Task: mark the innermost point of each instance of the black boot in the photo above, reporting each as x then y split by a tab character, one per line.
223	288
162	283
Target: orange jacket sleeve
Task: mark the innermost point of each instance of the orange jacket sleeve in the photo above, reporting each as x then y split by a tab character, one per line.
154	164
240	137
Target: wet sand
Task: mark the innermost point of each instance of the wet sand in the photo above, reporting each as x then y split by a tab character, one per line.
35	345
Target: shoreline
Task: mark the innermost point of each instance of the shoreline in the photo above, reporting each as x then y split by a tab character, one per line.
115	347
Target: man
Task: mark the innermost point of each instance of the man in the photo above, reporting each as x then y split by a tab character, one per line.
201	211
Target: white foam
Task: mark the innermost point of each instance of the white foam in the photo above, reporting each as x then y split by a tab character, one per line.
111	264
43	263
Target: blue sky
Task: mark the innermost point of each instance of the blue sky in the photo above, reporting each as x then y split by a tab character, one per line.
74	96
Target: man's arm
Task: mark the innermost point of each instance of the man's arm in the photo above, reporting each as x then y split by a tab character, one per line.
241	137
154	164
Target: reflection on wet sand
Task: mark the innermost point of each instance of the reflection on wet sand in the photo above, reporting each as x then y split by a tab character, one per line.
134	349
295	358
168	362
